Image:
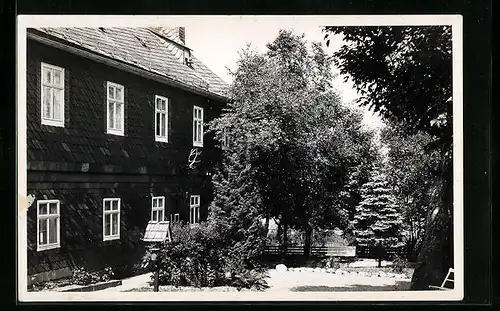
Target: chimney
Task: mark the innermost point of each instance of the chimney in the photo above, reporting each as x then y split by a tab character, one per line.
182	35
177	34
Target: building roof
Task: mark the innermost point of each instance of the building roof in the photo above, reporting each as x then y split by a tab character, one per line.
147	49
157	232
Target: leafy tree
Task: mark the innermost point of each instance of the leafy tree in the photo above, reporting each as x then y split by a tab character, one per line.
378	218
404	74
413	169
291	131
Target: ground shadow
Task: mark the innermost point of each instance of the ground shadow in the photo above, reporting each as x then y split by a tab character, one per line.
399	286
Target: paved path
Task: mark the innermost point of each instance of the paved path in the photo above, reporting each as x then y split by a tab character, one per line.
280	281
130	283
286	280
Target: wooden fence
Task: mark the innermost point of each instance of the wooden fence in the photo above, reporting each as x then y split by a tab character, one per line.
372	252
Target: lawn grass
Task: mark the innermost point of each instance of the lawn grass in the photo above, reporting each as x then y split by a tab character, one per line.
399	286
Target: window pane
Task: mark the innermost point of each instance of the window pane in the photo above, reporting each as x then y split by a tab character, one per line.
111	114
42	209
114	224
158	125
162	202
154	216
53	208
47	102
160	216
115	205
111	92
57	103
52	230
42	231
57	78
119	94
47	76
155	202
158	103
163	125
198	131
107	225
194	131
119	108
107	205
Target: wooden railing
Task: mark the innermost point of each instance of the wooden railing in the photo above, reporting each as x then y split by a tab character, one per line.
340	251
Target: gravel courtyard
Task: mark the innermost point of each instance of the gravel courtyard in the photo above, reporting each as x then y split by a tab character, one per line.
297	280
321	281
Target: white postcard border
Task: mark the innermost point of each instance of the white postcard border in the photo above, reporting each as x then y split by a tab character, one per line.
26	21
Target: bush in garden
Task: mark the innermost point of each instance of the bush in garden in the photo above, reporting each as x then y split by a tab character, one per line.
84	277
198	256
331	262
399	264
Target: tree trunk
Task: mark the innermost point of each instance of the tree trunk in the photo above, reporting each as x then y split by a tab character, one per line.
285	236
307	241
308	236
436	254
279	233
267	225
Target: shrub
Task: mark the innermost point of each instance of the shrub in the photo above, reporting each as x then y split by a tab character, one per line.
399	264
198	256
331	262
250	279
84	277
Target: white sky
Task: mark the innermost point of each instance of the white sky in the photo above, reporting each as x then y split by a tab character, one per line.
217	42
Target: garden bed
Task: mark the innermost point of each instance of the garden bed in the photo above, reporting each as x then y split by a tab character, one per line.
170	288
360	271
66	285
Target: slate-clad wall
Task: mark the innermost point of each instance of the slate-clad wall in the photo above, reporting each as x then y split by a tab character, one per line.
80	164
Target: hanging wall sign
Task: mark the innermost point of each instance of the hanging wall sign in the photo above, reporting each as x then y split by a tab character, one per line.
194	158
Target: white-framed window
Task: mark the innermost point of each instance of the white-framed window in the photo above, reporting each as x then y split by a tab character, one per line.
115	106
161	118
52	95
197	126
158	209
194	209
48	235
111	219
225	143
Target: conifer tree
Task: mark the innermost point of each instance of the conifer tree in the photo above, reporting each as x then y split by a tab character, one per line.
234	213
377	217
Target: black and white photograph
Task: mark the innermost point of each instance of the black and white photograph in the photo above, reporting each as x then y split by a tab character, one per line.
226	158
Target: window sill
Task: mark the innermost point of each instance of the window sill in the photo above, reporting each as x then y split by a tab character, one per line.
116	133
111	238
41	248
52	123
161	139
198	145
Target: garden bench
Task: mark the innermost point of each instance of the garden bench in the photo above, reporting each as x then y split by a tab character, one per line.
450	278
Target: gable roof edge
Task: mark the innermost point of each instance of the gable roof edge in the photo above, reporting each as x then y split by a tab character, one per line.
66	46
